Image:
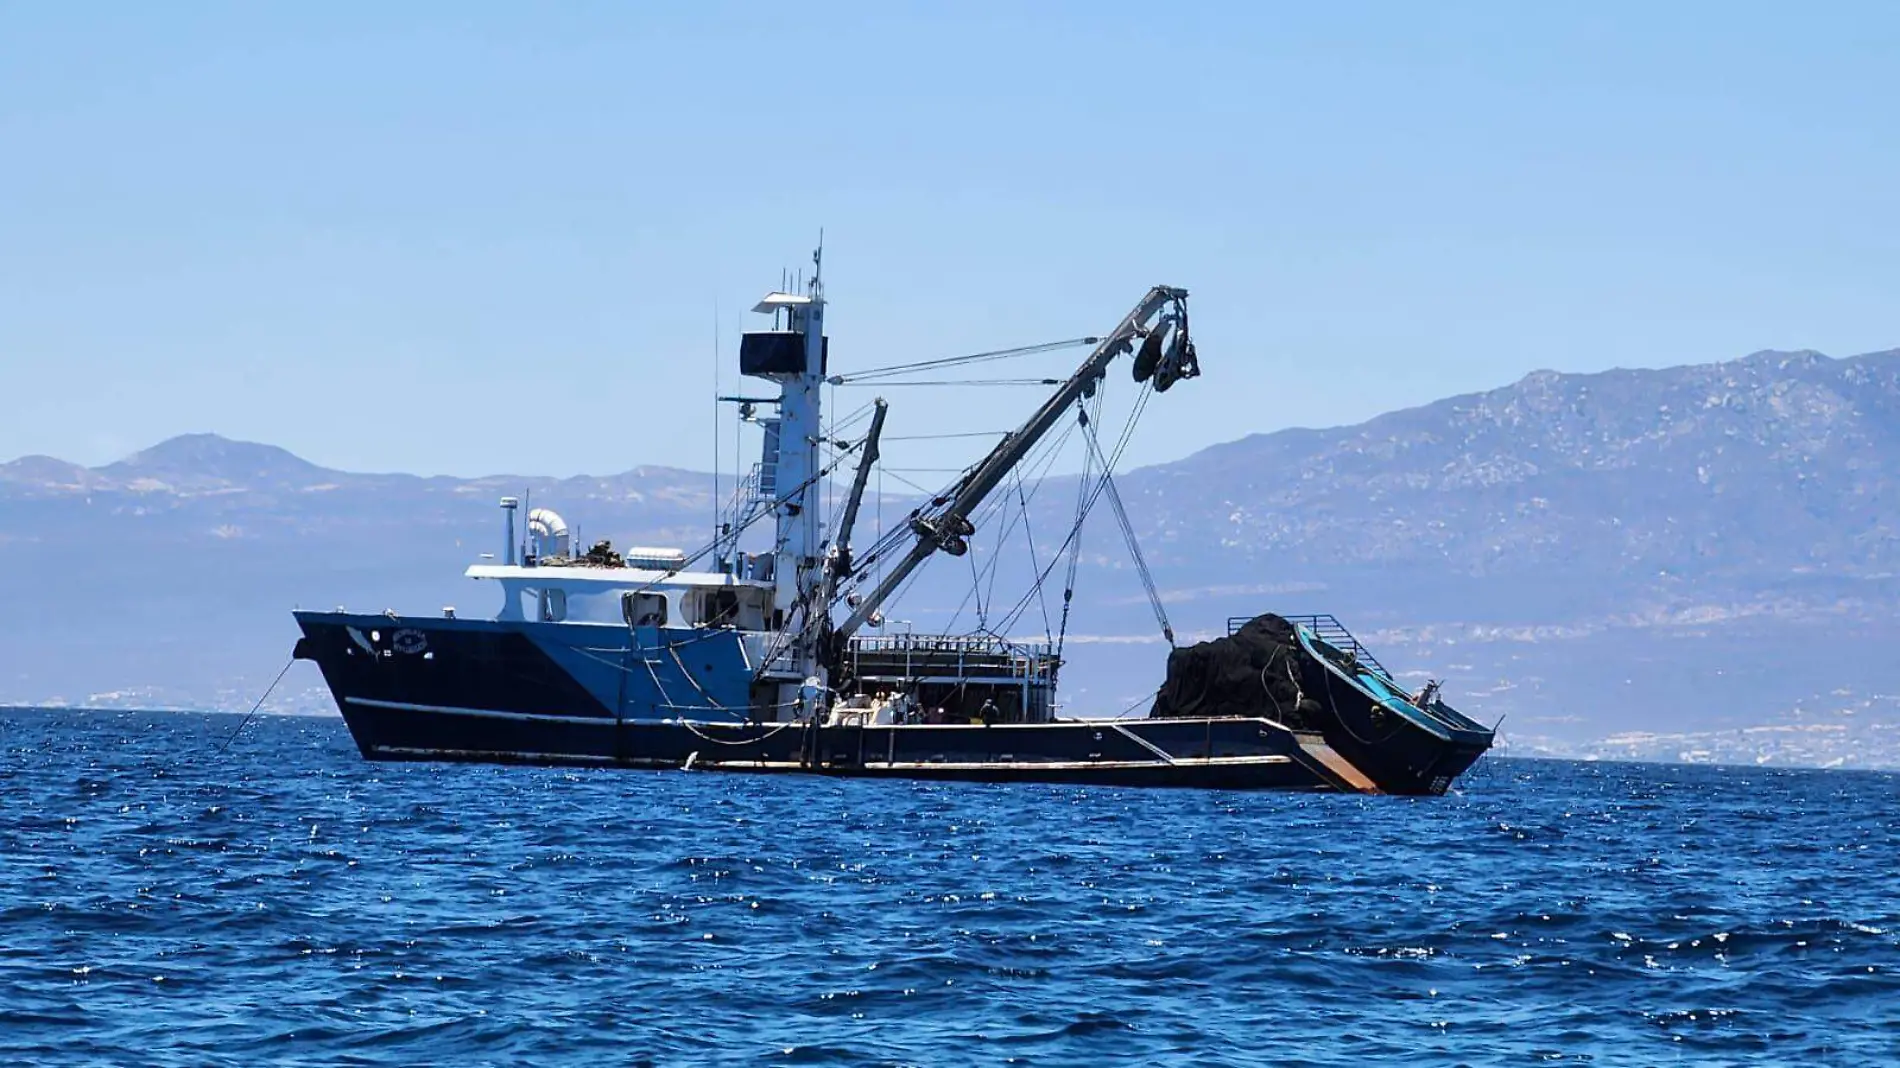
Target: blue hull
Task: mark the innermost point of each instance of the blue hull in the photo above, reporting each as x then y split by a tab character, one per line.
476	690
1245	754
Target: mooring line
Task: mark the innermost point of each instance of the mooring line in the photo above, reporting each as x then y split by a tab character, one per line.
260	704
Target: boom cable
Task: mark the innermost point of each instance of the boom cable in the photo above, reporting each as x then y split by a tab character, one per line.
897	369
960	382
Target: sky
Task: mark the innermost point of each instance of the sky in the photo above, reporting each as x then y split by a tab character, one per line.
472	238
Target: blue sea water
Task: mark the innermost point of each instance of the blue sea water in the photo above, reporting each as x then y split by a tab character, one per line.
284	902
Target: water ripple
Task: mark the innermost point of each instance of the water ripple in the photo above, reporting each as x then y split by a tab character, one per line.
286	902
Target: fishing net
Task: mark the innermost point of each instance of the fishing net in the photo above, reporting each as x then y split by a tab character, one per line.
1258	670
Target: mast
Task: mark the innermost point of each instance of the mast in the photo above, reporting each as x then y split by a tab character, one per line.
795	359
948	528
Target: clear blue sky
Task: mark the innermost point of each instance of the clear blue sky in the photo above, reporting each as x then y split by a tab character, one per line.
478	237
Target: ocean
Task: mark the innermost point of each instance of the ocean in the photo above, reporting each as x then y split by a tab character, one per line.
282	901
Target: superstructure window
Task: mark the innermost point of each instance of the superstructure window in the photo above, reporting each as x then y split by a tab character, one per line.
719	608
728	606
644	609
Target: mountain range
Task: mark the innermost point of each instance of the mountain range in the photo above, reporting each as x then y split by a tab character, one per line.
1696	562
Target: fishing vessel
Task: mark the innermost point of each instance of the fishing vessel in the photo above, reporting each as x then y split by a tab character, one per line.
779	658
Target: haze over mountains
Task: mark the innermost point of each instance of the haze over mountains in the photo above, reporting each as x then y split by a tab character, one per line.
1696	562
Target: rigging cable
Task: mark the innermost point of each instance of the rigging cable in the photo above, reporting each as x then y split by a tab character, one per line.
976	582
1081	514
1022	514
1132	705
946	437
1134	544
1029	534
801	610
961	382
1089	495
1049	451
958	361
781	499
1089	505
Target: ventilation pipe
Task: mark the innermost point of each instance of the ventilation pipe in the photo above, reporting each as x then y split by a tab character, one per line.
547	532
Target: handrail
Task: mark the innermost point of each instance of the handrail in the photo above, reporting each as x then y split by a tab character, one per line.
1403	707
1327	628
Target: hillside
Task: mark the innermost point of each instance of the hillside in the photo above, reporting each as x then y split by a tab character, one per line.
1776	461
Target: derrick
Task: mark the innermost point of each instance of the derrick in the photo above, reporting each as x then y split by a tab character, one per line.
1166	356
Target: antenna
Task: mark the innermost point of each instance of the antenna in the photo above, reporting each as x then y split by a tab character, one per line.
719	552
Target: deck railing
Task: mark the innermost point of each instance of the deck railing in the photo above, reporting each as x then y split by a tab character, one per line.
969	655
1327	628
961	643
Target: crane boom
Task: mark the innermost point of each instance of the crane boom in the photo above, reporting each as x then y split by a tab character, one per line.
947	529
866	461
